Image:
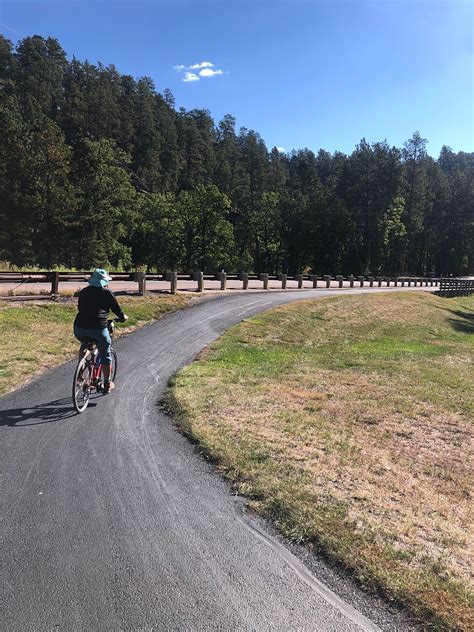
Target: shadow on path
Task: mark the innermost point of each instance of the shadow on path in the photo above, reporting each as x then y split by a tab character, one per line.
57	410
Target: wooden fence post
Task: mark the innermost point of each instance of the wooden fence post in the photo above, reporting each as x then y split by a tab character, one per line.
172	277
199	277
371	281
54	282
361	280
142	284
245	280
340	280
223	279
140	278
351	280
264	278
379	281
283	281
299	278
314	279
327	279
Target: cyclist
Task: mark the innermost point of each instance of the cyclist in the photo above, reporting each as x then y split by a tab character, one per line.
94	304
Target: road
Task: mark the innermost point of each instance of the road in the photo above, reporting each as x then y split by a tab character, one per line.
111	521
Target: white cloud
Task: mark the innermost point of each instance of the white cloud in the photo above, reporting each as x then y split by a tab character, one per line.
203	64
281	150
208	72
190	76
205	68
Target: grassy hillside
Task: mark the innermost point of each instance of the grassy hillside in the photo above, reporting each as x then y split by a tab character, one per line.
347	421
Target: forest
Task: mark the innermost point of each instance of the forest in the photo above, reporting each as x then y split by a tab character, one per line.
99	168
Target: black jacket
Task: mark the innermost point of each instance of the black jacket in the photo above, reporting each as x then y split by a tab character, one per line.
94	305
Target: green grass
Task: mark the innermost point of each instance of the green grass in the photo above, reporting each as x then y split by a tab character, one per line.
346	421
37	336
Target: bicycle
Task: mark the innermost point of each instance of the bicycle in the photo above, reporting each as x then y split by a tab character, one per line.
88	374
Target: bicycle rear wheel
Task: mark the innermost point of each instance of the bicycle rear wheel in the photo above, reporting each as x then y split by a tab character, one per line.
81	386
113	366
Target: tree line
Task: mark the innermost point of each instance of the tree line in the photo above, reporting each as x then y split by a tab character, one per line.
99	168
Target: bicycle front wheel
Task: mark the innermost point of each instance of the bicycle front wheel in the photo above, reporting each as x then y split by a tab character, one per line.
81	386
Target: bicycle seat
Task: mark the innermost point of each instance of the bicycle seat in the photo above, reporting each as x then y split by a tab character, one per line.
88	341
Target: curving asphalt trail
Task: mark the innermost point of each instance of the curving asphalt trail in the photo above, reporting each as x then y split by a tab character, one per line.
110	521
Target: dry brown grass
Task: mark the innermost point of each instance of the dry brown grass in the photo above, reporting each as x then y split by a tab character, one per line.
349	421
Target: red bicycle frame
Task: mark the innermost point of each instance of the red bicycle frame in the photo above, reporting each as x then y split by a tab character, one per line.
96	371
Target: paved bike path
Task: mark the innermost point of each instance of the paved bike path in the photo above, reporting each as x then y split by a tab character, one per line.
110	521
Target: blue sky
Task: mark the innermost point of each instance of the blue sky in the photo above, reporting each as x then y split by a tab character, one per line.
302	73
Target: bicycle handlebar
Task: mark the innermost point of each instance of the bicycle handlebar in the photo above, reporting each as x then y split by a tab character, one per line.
117	320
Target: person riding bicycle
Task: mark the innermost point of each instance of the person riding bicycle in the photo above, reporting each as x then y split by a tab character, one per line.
94	304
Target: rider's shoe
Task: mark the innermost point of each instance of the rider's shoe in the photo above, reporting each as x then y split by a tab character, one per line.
108	386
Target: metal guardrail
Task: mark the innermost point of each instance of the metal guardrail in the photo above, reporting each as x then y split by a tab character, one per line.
172	277
450	288
54	277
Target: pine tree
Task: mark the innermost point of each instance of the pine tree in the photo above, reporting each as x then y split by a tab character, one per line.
199	226
107	208
41	64
81	141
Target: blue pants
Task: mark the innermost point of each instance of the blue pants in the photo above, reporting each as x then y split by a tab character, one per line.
102	339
